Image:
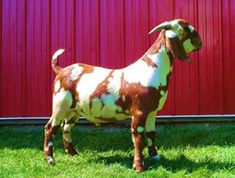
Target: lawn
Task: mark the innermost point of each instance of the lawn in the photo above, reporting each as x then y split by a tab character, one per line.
188	150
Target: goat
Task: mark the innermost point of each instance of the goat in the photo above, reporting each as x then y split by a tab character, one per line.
106	95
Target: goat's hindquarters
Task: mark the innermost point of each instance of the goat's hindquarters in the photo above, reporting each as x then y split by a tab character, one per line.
62	102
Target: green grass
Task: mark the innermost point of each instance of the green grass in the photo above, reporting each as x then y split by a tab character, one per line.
186	151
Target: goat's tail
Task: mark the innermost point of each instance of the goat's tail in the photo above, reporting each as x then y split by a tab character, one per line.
54	64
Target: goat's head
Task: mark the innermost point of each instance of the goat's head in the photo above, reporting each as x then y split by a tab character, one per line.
181	38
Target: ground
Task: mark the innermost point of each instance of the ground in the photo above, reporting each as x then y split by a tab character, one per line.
188	150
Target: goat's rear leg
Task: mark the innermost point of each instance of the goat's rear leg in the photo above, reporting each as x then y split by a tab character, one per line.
48	142
67	139
150	132
61	106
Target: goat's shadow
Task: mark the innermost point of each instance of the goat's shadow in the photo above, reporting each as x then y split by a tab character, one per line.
178	164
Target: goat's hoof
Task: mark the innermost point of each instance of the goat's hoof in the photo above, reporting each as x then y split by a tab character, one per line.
156	157
50	160
69	148
139	168
71	152
74	153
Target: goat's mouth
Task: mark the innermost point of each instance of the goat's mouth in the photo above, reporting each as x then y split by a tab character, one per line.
195	46
189	59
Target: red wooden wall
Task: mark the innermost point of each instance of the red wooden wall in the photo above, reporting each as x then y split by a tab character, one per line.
113	33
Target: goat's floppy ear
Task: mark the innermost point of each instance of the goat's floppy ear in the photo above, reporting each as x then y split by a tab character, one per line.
165	25
176	48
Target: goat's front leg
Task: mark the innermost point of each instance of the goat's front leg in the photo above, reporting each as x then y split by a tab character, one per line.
137	130
150	132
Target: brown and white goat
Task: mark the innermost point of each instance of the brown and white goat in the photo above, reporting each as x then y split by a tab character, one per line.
106	95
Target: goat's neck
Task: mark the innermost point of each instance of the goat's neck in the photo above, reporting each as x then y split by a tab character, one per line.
158	49
153	69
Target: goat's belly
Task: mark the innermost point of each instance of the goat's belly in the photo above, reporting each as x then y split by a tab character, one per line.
101	119
103	110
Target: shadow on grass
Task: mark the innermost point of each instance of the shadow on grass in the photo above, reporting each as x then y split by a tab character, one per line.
126	161
178	164
183	163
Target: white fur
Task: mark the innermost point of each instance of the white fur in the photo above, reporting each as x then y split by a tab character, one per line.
115	84
50	159
57	53
174	22
162	100
139	72
147	76
140	129
177	28
162	61
191	28
150	122
46	148
86	87
109	109
170	34
67	135
90	81
57	86
50	144
96	107
76	71
61	105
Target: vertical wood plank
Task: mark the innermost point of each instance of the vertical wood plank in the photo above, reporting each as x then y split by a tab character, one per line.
5	57
45	59
62	30
112	33
87	25
228	44
12	70
21	49
136	25
210	71
37	66
1	83
32	72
